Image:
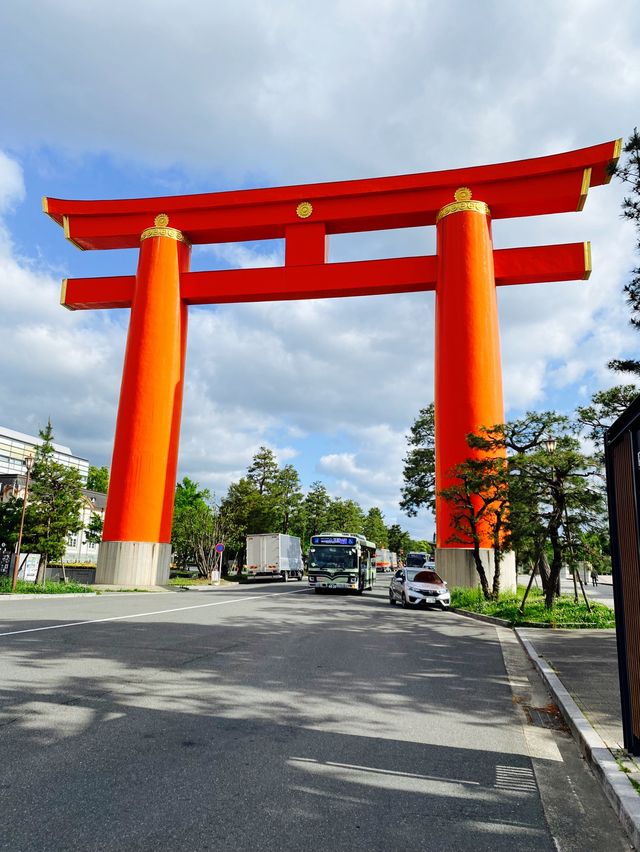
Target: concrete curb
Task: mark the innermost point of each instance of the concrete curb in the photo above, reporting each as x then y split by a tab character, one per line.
615	783
478	616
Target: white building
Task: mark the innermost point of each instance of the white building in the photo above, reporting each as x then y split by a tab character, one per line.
16	446
14	449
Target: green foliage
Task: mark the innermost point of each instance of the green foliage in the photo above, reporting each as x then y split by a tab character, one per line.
606	406
196	528
98	479
419	471
93	533
286	498
400	541
10	512
628	171
263	470
374	527
478	496
53	506
316	509
345	516
49	588
564	613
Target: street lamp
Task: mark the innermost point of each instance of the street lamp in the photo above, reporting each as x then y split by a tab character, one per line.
550	443
28	463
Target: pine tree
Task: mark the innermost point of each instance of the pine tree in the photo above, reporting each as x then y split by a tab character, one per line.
55	500
419	490
629	173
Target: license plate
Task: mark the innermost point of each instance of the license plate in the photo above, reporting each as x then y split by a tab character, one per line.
332	585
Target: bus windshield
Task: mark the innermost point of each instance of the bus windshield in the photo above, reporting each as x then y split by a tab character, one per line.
332	557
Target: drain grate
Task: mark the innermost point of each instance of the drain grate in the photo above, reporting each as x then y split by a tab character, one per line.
546	717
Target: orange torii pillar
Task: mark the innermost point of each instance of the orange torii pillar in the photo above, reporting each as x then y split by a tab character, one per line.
136	541
468	371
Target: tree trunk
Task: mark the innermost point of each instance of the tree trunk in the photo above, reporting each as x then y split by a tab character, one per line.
555	569
481	572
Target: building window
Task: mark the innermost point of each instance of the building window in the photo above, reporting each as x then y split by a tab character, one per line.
72	540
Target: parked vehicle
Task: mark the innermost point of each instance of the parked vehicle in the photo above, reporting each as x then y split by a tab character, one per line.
383	559
274	555
341	561
419	559
393	558
418	587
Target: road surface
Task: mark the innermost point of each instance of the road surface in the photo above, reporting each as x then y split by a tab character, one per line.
270	718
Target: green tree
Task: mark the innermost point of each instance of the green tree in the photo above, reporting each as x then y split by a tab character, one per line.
98	479
345	516
188	501
93	533
628	171
201	528
54	503
316	507
286	495
419	472
478	496
399	540
605	407
263	470
374	527
242	513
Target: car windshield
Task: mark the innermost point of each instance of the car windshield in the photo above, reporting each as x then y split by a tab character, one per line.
332	557
423	577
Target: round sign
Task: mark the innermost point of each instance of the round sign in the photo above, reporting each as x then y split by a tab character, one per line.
219	548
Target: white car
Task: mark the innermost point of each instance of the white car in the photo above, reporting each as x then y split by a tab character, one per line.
418	587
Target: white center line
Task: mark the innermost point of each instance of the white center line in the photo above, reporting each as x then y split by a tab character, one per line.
156	612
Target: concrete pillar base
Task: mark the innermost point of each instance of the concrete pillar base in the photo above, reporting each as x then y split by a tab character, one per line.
456	566
133	563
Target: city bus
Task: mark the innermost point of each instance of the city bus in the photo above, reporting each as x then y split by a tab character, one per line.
341	561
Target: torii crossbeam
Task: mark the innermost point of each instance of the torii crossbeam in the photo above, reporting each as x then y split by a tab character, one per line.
468	394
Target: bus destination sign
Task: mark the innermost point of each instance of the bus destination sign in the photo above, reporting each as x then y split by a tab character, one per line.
333	539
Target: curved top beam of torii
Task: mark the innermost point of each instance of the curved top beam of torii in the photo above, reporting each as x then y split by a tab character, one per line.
554	184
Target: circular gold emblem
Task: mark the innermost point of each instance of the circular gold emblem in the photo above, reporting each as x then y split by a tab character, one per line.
162	220
304	209
462	194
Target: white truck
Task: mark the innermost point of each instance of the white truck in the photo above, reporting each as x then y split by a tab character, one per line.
274	555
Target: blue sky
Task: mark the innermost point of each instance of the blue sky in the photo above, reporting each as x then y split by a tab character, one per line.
141	98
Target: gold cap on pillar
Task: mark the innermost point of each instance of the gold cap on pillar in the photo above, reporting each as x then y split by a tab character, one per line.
160	229
463	201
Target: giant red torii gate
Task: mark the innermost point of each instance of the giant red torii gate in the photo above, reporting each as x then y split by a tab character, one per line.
468	392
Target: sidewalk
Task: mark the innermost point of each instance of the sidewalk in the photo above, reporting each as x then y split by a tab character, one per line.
580	669
586	662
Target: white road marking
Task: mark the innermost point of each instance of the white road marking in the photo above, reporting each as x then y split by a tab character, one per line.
156	612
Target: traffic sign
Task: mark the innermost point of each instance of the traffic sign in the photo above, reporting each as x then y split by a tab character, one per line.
219	548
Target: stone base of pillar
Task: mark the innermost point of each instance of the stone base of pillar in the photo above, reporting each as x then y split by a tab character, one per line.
133	563
456	566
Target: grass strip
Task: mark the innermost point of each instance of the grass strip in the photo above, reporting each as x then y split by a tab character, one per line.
565	611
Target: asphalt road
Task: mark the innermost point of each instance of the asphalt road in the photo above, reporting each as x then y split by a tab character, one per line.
271	718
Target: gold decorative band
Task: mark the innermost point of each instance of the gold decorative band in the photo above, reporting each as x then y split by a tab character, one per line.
67	233
63	295
587	260
584	189
172	233
617	150
459	206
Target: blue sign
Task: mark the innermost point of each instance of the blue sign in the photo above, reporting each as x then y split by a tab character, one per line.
219	548
348	541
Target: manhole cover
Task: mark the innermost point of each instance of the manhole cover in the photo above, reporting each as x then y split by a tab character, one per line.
546	717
